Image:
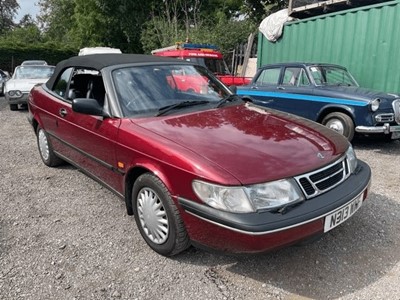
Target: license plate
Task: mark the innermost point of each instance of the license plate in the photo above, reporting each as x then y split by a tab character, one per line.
341	215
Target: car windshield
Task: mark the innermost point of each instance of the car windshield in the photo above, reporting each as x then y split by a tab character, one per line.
33	72
332	75
215	65
153	90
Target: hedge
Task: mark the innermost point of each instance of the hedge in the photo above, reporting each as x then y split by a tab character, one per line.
13	55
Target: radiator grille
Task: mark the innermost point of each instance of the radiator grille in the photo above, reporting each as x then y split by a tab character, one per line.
324	179
396	108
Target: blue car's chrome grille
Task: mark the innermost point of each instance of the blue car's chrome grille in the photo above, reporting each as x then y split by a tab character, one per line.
396	108
384	118
322	180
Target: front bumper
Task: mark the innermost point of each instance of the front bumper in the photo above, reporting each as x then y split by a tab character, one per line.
20	100
386	129
263	231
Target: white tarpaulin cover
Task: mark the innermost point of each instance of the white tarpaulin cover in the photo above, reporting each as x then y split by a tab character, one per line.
271	27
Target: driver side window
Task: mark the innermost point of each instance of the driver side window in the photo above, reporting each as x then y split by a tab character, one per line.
87	84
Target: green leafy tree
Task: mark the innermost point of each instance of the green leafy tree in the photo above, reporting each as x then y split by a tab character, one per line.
90	24
22	36
8	9
125	19
56	19
26	21
257	10
172	23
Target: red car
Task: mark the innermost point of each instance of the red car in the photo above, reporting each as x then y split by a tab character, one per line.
203	168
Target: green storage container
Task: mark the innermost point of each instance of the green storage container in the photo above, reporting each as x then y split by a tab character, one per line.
366	40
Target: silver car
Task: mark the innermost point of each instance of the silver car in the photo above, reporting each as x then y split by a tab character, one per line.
4	76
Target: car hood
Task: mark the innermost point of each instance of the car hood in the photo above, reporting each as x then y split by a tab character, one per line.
24	85
253	144
353	92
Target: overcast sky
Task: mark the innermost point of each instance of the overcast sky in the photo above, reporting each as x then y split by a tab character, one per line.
27	7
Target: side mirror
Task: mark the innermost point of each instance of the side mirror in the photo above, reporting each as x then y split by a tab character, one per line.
233	89
87	106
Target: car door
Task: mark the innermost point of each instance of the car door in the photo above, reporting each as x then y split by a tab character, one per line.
86	141
285	88
263	87
296	93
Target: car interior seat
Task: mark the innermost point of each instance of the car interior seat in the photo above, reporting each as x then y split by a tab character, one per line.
95	89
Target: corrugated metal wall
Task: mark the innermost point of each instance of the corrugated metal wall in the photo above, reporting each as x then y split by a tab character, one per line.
366	40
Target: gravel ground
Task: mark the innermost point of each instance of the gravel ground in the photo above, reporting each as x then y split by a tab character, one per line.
63	236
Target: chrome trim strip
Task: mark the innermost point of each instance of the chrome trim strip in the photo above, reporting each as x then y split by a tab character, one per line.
100	162
396	109
386	128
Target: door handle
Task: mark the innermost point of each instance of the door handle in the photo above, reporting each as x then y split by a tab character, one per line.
62	112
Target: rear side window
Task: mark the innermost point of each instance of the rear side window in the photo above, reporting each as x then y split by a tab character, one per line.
60	87
269	76
295	77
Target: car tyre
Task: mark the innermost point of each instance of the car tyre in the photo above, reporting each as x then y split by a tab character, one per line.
13	107
157	217
46	149
341	123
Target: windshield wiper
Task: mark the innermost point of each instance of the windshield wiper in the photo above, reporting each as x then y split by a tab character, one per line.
229	98
163	110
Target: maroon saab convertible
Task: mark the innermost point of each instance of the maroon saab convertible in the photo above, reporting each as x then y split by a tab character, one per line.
195	166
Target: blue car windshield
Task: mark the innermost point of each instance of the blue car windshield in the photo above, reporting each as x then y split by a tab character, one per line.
331	75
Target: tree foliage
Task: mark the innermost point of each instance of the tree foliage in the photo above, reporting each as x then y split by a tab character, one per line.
135	26
56	20
8	9
209	21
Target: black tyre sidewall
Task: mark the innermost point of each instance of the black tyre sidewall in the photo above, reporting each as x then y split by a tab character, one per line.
347	122
53	160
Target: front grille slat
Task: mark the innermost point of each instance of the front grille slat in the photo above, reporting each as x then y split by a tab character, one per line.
396	108
324	179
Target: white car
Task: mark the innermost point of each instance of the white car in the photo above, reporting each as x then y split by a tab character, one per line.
24	78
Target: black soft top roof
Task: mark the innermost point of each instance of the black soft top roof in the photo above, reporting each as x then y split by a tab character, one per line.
100	61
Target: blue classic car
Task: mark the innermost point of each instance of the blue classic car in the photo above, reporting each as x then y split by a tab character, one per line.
327	94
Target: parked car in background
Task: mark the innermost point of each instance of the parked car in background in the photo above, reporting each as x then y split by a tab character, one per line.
200	167
98	50
17	89
3	79
34	63
327	94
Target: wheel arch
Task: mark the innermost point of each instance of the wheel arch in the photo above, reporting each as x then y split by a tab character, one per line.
133	174
326	110
35	124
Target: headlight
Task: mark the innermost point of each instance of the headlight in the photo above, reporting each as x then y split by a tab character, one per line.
374	104
15	93
352	159
266	196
